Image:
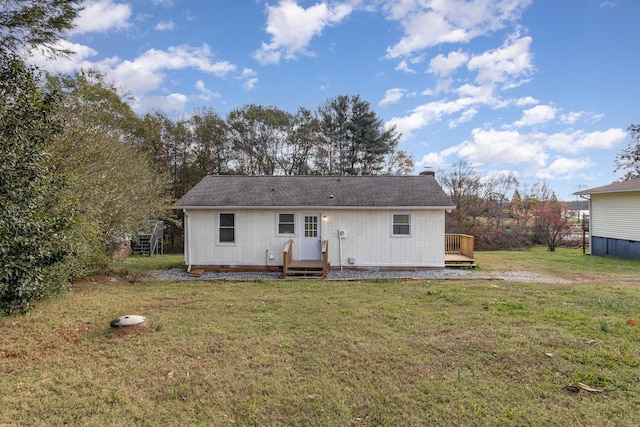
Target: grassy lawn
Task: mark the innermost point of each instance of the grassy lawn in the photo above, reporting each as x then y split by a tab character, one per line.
333	353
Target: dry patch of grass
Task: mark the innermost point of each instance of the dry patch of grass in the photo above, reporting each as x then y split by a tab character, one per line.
326	353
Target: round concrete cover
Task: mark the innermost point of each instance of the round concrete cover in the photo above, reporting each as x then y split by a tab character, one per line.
129	320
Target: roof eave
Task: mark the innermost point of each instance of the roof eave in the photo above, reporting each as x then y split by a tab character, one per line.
319	207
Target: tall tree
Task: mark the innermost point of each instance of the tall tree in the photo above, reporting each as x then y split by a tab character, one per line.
463	184
551	224
354	141
399	163
302	143
211	148
36	24
117	188
34	215
628	160
259	138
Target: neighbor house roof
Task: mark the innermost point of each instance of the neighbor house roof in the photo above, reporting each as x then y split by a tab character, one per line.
421	191
616	187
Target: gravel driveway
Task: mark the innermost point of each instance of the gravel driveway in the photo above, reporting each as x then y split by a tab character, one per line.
176	274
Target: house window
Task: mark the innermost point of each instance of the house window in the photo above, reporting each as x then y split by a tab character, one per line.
227	228
286	223
401	224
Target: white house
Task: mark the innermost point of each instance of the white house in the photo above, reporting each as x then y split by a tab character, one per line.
379	222
614	219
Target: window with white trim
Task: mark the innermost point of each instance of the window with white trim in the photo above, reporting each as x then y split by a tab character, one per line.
286	223
401	224
226	228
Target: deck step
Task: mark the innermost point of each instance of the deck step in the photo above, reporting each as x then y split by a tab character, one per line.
305	269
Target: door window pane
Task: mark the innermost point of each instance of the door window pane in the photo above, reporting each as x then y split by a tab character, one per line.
311	226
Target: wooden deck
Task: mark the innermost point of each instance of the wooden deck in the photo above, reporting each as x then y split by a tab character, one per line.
455	260
459	250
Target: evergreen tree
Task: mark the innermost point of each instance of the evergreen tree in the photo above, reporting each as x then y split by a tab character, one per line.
354	139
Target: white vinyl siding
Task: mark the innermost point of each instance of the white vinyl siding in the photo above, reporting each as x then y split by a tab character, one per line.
616	215
369	241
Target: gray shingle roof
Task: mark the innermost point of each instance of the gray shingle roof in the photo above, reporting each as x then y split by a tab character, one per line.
616	187
316	191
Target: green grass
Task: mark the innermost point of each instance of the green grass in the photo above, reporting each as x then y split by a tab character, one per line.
564	262
138	264
324	353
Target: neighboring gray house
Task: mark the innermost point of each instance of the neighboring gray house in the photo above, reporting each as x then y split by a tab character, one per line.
381	222
614	219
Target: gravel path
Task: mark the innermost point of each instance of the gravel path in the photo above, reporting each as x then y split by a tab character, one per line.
176	274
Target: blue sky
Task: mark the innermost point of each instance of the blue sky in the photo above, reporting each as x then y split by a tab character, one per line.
541	88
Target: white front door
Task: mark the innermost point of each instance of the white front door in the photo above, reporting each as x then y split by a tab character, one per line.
310	245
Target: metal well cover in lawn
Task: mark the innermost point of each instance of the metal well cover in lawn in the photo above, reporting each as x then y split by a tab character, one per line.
129	320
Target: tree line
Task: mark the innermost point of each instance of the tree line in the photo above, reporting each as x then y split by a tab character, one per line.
80	171
500	212
344	136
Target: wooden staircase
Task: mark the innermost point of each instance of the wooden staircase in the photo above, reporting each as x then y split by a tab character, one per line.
305	269
149	241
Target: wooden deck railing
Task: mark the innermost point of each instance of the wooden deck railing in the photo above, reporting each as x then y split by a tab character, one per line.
287	257
325	258
458	244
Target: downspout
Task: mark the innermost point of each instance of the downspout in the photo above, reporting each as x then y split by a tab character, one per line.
340	239
187	241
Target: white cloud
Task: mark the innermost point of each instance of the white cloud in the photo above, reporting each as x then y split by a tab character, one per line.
292	27
437	160
512	60
174	102
205	93
444	65
503	147
432	161
574	116
102	16
465	117
536	115
392	96
404	67
564	168
64	65
165	3
527	100
532	150
607	4
250	78
165	26
145	74
429	23
425	114
580	140
470	97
